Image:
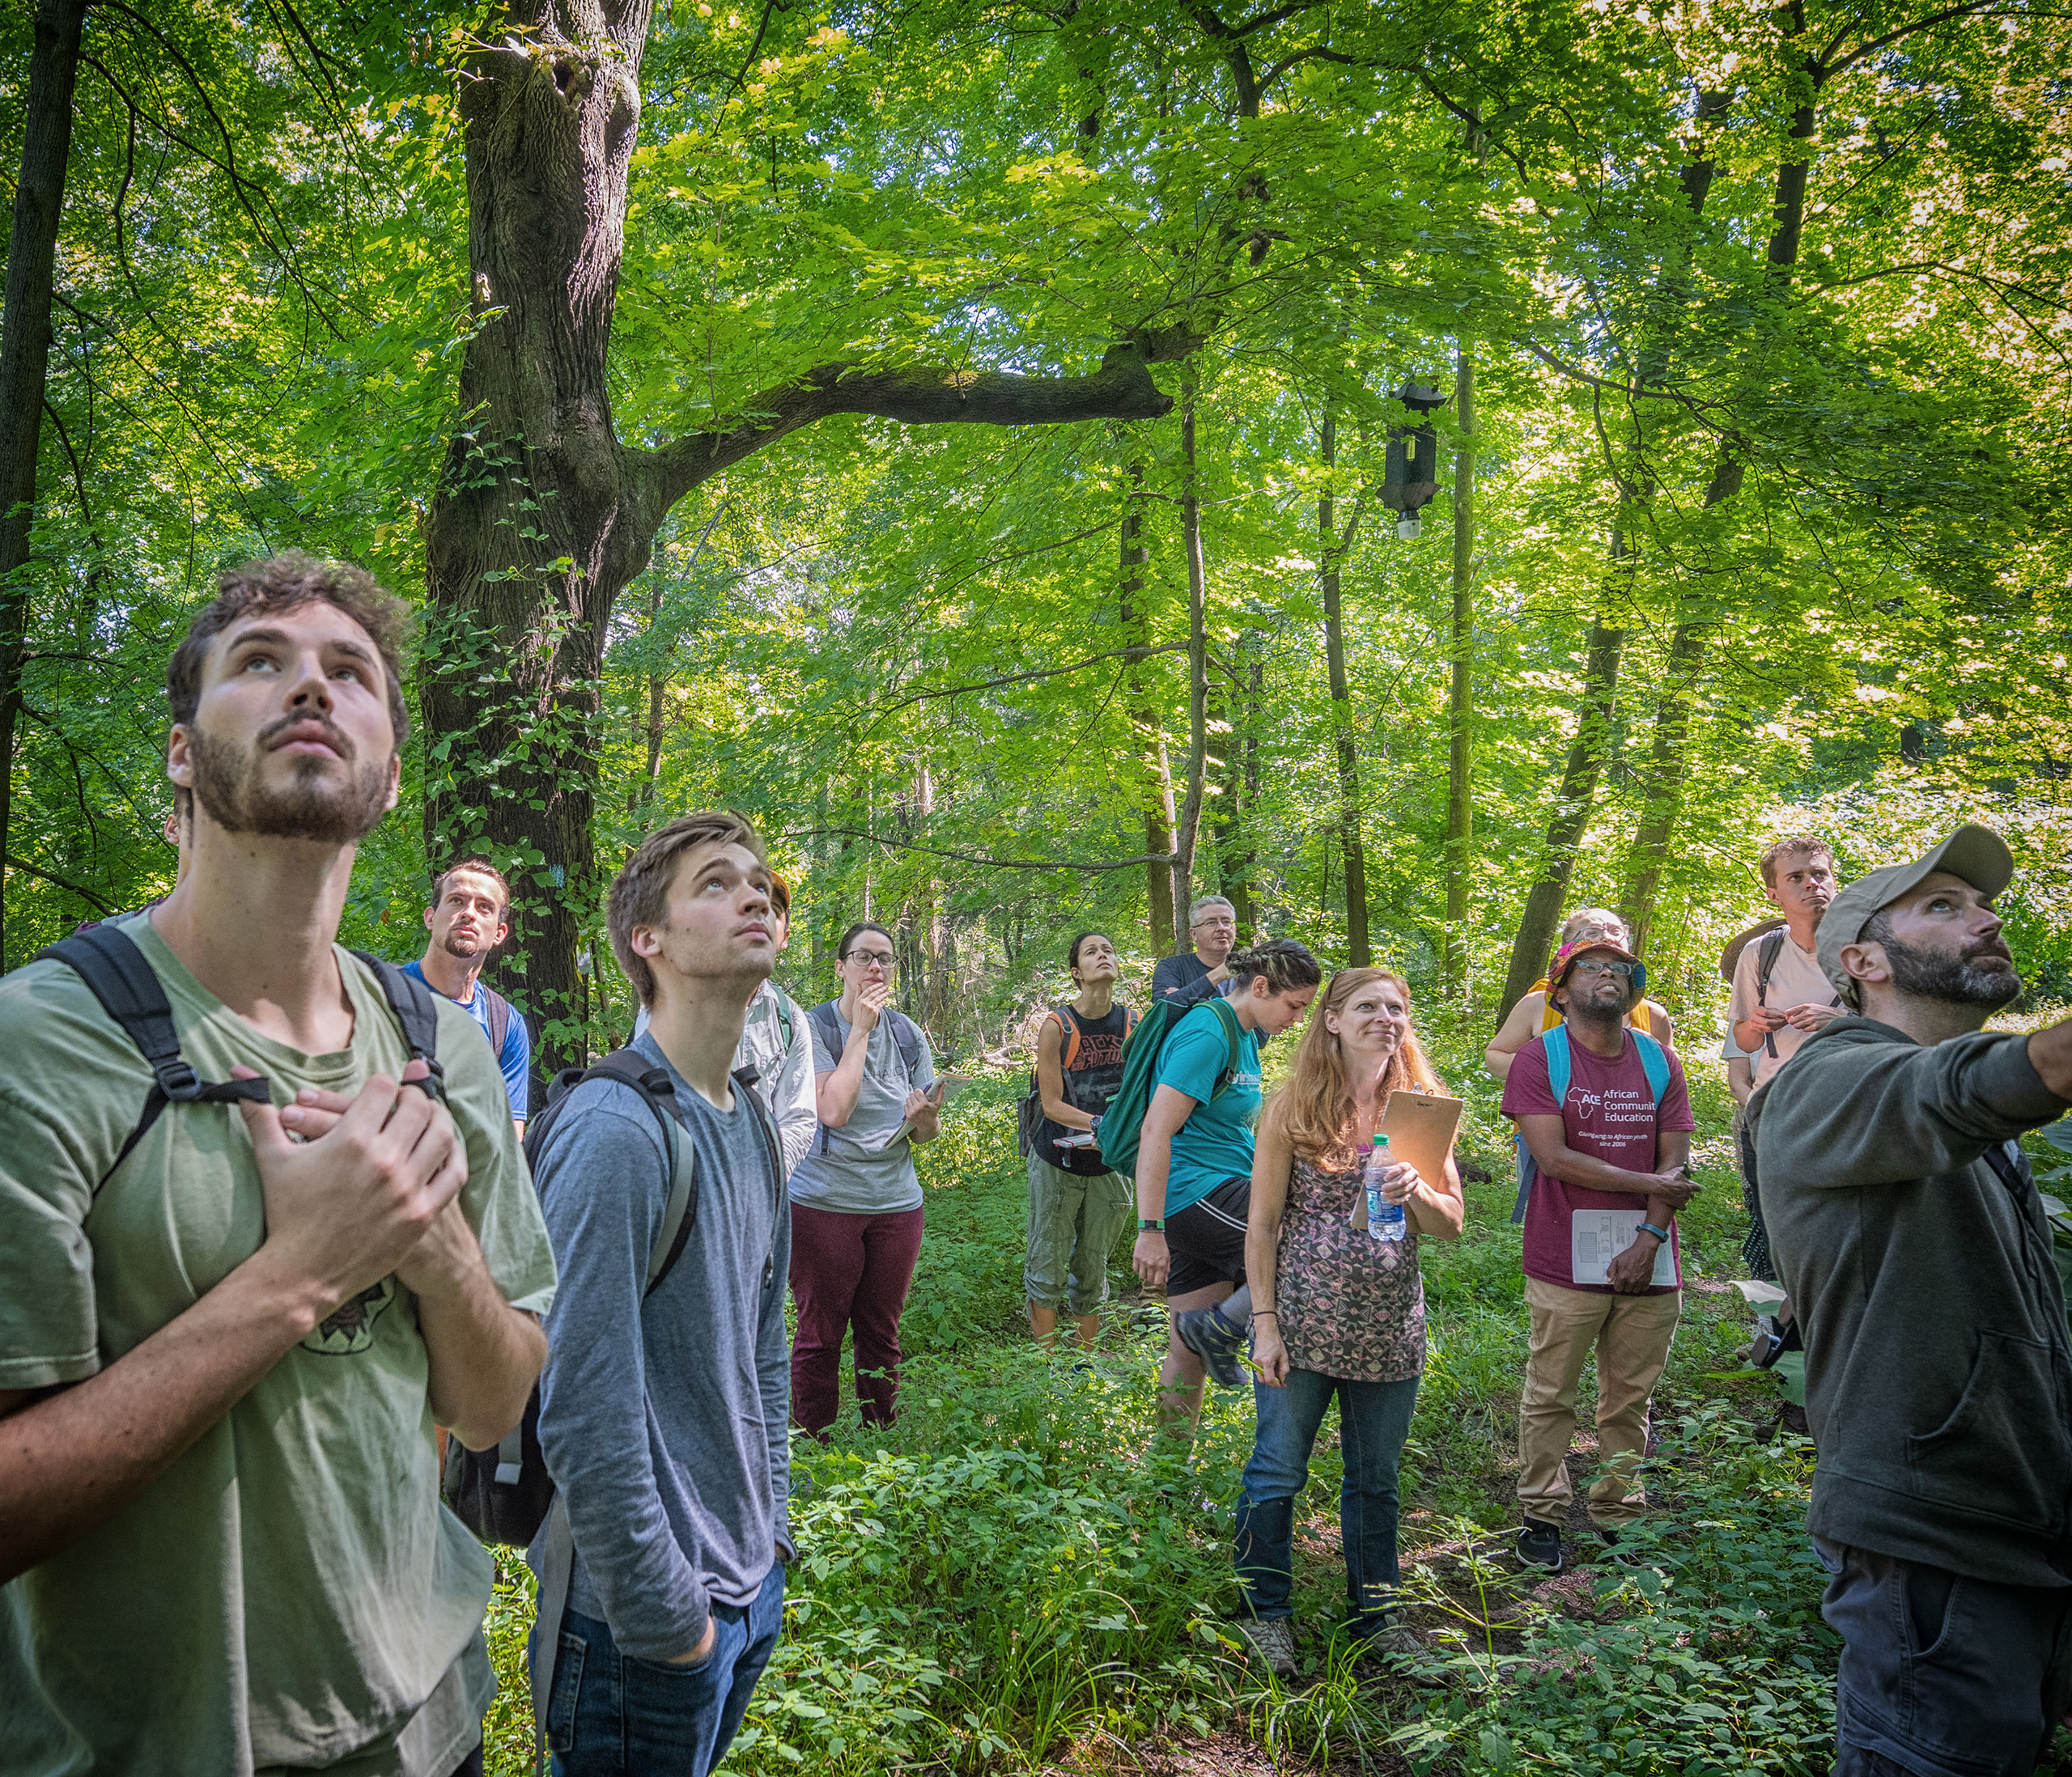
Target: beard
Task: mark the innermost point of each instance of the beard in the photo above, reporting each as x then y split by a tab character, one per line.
230	785
463	947
1974	977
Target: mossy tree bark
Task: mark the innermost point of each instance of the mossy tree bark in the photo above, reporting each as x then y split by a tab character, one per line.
543	515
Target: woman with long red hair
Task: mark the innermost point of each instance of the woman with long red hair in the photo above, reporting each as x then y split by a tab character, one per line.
1335	1313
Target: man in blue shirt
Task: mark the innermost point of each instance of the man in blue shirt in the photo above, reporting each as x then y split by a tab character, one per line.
1203	972
470	916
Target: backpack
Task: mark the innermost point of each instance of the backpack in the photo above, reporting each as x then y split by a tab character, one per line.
1654	1063
502	1494
1122	1124
115	969
1766	959
506	1494
827	1022
1029	1108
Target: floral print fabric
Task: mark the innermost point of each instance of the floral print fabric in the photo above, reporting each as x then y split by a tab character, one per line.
1349	1305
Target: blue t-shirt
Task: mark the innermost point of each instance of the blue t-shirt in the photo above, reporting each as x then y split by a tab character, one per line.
516	1060
1215	1144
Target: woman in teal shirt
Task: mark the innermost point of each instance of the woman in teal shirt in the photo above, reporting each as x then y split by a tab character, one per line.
1194	1166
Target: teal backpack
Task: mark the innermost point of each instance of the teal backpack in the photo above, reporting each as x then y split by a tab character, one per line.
1122	1123
1654	1060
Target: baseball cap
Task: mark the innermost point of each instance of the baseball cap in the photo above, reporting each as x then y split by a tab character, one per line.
1975	855
1565	956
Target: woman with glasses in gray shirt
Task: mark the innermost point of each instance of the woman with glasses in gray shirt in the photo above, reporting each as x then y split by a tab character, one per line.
856	1197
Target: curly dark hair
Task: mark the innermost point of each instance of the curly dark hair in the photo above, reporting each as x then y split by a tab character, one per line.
286	582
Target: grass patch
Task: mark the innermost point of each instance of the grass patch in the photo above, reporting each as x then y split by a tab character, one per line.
1018	1575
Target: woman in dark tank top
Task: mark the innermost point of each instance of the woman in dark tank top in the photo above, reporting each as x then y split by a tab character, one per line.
1078	1206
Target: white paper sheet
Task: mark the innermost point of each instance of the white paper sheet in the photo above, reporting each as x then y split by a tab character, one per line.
1597	1237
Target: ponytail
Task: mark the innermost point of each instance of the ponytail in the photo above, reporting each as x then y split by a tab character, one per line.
1285	964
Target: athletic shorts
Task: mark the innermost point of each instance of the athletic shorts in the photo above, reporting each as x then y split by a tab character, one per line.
1207	1239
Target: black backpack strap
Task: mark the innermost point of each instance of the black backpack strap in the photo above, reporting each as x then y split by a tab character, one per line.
629	1067
418	1013
1767	953
500	1018
828	1026
908	1035
130	992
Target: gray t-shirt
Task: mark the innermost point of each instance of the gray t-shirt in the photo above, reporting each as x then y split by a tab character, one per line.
850	1169
664	1414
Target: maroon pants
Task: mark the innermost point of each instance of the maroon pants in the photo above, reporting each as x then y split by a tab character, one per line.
849	1271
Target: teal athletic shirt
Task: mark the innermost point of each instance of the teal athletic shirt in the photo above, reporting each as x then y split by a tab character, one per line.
1215	1144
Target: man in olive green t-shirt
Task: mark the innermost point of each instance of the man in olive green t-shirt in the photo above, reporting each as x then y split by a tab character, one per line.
222	1359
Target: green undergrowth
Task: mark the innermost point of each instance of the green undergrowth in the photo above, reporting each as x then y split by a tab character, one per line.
1018	1574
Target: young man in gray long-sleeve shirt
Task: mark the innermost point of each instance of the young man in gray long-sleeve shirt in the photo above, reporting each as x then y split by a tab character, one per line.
663	1413
1938	1375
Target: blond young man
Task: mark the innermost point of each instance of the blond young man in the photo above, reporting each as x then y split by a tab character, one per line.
665	1409
224	1346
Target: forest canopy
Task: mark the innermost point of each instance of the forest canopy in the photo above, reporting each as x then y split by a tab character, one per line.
970	439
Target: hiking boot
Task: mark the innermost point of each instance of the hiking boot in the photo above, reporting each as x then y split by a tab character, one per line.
1405	1650
1271	1641
1613	1552
1539	1545
1218	1341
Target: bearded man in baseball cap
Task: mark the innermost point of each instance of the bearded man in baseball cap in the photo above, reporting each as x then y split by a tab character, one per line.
1938	1376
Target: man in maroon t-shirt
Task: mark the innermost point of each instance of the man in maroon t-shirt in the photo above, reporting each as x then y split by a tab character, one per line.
1601	1268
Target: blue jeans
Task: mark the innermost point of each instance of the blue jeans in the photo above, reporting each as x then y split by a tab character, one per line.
614	1715
1373	1418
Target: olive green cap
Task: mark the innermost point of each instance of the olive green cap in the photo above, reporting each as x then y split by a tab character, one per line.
1975	855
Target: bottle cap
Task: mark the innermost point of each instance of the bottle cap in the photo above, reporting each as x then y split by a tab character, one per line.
1380	1139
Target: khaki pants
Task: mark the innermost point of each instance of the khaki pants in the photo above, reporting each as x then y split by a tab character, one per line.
1631	1335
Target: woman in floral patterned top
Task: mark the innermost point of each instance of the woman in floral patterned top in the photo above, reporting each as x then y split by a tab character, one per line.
1335	1313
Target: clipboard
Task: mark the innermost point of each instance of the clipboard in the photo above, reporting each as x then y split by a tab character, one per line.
950	1085
1420	1127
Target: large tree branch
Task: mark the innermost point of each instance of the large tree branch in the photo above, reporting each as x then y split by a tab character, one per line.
52	877
932	395
979	859
1023	678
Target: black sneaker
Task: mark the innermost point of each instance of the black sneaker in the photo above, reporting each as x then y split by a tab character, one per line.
1218	1341
1539	1545
1613	1552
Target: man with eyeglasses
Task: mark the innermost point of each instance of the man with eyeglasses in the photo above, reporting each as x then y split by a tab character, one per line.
1199	974
1605	1113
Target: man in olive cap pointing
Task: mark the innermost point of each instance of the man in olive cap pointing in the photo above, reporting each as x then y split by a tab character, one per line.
1938	1376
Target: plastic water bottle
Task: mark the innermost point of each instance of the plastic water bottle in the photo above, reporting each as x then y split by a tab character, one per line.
1386	1221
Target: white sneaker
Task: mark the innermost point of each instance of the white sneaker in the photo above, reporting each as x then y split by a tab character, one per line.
1272	1640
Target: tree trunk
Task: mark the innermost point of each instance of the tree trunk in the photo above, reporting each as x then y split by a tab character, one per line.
1156	774
1460	790
1663	784
25	358
1236	850
1331	556
1571	806
1669	764
542	515
1183	840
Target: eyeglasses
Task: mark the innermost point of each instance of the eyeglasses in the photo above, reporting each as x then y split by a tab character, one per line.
1603	965
872	959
